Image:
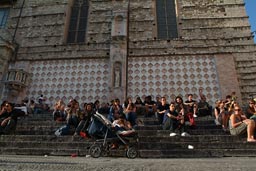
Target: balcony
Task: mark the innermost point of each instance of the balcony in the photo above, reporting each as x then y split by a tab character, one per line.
16	79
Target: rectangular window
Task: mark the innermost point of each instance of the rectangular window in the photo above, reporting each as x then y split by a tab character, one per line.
4	12
166	19
78	22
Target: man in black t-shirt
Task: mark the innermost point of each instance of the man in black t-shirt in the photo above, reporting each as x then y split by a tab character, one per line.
9	118
161	109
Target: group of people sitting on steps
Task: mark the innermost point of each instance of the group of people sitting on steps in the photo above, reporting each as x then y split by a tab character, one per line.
175	116
229	114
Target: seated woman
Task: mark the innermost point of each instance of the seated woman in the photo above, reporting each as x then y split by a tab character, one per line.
130	111
182	109
121	125
59	111
122	128
221	115
239	125
85	120
115	110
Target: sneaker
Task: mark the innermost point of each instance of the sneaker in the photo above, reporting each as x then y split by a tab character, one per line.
195	116
184	134
173	134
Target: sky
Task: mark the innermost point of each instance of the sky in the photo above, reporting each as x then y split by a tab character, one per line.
250	6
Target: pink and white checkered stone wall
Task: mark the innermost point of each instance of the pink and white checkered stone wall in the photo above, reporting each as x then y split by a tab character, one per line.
88	79
172	76
85	80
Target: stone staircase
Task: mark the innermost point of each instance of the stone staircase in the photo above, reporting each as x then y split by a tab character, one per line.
35	136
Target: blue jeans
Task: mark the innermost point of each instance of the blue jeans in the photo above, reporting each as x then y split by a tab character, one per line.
131	117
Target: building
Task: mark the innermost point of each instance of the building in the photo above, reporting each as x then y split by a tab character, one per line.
103	49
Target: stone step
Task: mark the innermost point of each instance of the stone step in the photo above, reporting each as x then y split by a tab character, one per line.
50	131
153	140
192	132
47	144
195	145
159	127
198	122
51	127
175	153
35	136
197	153
200	125
59	152
146	120
191	139
43	151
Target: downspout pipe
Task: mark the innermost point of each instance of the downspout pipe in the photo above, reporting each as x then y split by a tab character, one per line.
14	35
18	22
127	48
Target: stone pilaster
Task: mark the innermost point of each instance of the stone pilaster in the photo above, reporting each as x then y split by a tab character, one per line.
118	51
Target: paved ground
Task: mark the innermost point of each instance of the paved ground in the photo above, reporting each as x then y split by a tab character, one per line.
50	163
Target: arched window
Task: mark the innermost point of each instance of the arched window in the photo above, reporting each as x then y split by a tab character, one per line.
78	22
166	19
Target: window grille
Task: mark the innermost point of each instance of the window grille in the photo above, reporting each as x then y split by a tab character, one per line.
78	22
166	19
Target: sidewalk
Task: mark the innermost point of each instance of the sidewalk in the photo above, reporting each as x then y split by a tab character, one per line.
53	163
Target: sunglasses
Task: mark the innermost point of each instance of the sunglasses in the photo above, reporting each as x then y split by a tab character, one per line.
237	109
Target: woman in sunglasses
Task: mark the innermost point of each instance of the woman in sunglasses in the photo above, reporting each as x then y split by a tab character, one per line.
239	124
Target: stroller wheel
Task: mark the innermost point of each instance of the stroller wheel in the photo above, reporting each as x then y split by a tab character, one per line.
95	151
131	152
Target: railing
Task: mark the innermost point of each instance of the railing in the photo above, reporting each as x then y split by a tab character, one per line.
16	79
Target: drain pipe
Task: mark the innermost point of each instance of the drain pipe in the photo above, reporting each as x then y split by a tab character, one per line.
127	47
16	45
14	35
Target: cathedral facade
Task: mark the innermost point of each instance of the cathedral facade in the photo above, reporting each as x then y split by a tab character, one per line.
105	49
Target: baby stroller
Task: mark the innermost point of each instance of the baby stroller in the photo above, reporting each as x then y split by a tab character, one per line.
105	134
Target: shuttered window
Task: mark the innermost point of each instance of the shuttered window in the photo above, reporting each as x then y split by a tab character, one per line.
166	19
78	22
4	12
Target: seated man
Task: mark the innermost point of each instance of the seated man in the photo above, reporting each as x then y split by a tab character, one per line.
150	106
9	118
192	105
140	107
172	121
251	110
204	108
161	109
